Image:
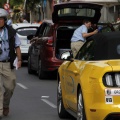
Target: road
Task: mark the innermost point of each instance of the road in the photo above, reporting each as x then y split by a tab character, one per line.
33	99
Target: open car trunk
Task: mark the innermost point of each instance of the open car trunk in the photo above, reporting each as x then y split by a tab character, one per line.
76	12
63	39
68	15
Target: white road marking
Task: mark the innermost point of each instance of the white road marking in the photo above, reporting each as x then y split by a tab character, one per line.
49	103
22	86
44	96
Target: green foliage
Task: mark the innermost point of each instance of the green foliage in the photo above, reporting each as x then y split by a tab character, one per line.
16	2
11	2
31	3
2	2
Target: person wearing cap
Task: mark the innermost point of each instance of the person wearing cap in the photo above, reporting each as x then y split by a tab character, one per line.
79	36
9	50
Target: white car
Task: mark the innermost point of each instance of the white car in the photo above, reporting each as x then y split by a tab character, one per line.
23	30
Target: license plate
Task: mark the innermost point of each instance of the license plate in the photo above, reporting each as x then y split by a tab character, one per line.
113	92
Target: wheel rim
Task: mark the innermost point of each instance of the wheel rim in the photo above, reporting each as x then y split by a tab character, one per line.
59	97
80	108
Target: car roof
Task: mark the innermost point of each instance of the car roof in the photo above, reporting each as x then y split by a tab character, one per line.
20	25
107	45
48	21
106	36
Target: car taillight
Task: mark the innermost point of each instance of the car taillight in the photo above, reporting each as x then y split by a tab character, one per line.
49	42
111	79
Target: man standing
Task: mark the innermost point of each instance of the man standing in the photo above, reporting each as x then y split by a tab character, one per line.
79	36
23	20
9	48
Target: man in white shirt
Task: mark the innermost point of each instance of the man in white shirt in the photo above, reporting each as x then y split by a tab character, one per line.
9	50
79	36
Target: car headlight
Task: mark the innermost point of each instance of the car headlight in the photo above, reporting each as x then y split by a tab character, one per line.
111	79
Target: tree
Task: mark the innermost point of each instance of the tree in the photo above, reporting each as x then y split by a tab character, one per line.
13	3
30	4
2	2
16	2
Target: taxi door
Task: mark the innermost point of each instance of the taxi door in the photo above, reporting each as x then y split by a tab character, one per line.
75	69
72	76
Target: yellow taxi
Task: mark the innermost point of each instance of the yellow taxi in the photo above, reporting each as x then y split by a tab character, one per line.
89	85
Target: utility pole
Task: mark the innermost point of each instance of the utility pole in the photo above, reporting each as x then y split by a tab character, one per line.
24	4
25	7
7	1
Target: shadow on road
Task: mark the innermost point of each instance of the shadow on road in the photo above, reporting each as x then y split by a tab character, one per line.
49	75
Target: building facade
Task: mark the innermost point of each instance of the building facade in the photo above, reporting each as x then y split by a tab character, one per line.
110	11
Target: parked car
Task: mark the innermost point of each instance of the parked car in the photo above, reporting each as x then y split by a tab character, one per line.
53	36
89	85
23	30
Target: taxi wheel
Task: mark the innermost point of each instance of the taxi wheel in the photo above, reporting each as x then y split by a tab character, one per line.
80	107
29	66
62	113
41	73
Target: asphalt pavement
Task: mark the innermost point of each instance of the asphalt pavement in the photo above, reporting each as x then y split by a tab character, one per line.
33	99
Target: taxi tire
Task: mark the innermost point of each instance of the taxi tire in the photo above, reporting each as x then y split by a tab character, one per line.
80	101
62	113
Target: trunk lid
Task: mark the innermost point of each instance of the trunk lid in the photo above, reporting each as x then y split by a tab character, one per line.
71	12
115	64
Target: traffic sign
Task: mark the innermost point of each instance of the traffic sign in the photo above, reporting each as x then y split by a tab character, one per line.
6	6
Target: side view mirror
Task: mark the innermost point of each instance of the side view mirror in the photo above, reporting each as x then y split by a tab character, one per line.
29	37
67	56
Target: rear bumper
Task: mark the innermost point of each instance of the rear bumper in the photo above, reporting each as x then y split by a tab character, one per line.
51	64
99	105
103	113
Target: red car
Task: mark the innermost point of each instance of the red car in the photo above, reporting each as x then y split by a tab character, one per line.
53	36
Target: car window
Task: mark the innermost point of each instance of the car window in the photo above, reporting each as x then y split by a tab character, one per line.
106	29
76	12
46	30
41	31
87	51
26	31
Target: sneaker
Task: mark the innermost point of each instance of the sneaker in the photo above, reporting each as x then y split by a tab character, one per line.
5	111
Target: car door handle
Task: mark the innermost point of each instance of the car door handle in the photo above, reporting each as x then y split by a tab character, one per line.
75	72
